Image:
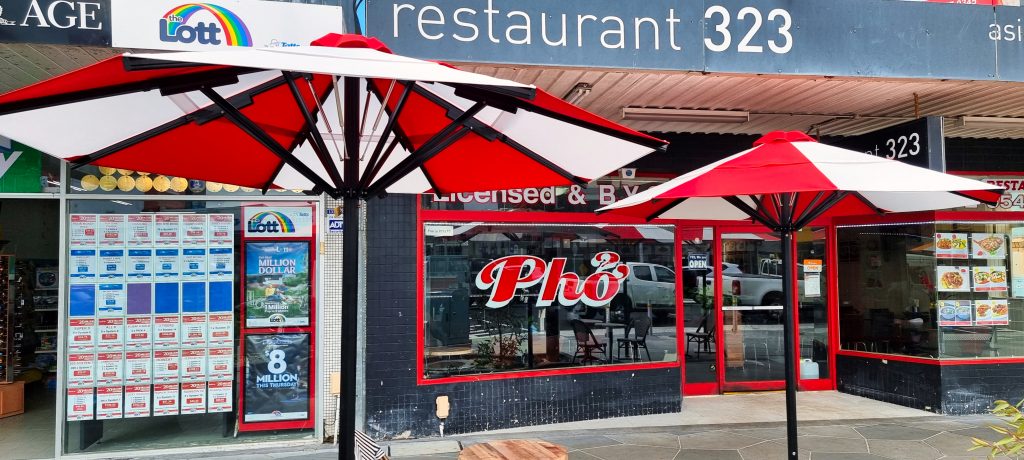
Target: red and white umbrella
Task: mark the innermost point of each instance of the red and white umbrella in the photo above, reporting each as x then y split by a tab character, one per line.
347	118
787	181
454	131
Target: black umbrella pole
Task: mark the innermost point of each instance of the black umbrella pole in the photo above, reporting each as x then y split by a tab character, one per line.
787	331
349	317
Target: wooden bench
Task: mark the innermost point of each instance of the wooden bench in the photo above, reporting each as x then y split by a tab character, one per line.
517	449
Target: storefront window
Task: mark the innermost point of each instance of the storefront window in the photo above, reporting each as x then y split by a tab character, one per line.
188	323
507	297
941	290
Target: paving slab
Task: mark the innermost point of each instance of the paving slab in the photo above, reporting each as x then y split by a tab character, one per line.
980	432
896	432
832	444
952	444
648	439
698	454
582	441
838	431
632	452
847	456
426	448
770	450
903	450
717	440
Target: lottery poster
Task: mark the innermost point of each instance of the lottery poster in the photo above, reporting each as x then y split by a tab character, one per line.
221	230
168	230
193	398
111	230
166	331
218	396
110	368
110	333
166	366
167	265
221	264
220	363
82	265
138	367
81	334
220	329
193	230
81	370
141	230
137	401
193	365
111	299
80	404
165	399
277	383
140	265
139	332
82	231
277	284
109	403
193	264
193	330
111	265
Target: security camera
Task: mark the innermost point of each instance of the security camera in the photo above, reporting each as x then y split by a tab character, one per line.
628	173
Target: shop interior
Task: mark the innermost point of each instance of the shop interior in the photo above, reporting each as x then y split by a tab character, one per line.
29	250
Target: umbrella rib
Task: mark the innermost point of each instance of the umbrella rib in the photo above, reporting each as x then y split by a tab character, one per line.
430	180
203	115
428	150
822	207
868	203
746	209
252	129
810	206
270	181
368	178
543	161
371	166
317	141
672	203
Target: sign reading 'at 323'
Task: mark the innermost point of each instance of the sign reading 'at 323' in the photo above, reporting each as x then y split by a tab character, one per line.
857	38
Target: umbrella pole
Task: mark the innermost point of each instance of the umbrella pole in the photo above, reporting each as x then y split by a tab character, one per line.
349	313
787	331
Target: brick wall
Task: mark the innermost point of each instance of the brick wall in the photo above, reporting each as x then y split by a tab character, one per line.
397	407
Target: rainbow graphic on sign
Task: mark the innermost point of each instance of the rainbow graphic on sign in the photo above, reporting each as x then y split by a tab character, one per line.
282	223
236	31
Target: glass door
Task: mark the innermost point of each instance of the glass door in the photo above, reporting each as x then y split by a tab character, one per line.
751	297
700	318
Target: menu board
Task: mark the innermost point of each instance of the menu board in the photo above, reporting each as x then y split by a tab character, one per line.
146	292
1017	261
277	284
989	279
993	312
954	279
988	246
951	246
955	313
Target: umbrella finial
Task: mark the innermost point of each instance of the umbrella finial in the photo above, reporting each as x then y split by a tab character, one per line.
784	136
334	40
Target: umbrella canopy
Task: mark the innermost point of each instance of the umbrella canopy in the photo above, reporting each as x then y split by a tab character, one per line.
820	177
440	129
786	182
345	117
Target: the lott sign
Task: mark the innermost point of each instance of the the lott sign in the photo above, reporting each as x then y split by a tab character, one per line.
503	277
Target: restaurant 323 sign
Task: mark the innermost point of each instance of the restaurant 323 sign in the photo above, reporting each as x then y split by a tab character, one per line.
502	277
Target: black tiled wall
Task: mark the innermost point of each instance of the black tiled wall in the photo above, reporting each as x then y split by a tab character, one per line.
397	407
952	390
897	382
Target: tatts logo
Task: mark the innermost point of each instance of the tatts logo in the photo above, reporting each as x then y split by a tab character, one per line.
175	26
270	222
502	277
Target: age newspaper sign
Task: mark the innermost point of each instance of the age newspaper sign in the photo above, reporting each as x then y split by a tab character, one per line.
179	25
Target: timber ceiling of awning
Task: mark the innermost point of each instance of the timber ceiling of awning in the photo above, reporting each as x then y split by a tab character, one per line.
830	106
